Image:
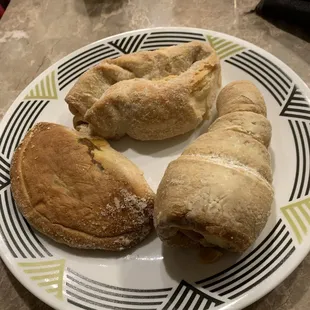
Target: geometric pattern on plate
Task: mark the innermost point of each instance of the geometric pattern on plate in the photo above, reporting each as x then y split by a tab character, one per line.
19	238
4	173
47	274
254	267
45	89
297	106
22	119
74	67
159	39
281	245
84	292
224	48
301	135
129	44
273	78
297	215
186	296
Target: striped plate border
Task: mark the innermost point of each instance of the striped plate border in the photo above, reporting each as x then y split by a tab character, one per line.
229	284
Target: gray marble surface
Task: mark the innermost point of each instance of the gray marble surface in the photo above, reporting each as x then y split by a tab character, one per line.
34	34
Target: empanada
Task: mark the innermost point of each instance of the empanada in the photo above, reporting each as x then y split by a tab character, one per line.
78	191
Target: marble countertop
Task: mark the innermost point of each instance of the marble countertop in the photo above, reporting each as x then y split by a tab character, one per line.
35	34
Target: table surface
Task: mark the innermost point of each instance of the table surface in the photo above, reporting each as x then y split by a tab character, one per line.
34	34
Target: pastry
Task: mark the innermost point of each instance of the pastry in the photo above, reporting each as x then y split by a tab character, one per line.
78	191
149	95
218	193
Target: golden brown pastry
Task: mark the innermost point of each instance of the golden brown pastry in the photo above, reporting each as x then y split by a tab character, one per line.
78	191
150	95
218	192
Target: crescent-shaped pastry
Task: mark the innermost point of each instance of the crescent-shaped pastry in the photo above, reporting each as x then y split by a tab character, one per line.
78	191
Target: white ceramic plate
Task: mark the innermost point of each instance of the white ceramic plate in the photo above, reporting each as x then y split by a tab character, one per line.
149	276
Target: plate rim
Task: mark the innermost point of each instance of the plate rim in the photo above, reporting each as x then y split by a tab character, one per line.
53	302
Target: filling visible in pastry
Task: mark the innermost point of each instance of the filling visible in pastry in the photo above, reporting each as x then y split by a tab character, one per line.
204	240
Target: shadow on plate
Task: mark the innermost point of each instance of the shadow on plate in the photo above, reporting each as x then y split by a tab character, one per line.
160	148
272	159
102	254
154	148
188	265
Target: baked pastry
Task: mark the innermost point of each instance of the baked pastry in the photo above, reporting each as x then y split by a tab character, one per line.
78	191
150	95
218	193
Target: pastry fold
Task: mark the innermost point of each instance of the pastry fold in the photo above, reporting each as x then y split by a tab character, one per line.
218	192
149	95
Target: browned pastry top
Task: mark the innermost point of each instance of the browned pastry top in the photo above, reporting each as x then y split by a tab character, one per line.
79	191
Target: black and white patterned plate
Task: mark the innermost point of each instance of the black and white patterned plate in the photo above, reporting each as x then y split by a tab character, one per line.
150	277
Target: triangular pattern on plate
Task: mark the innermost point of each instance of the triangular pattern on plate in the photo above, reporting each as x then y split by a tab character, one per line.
129	44
297	215
160	39
224	48
186	296
47	274
268	74
301	136
255	267
45	89
4	172
297	106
